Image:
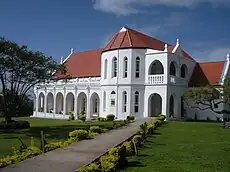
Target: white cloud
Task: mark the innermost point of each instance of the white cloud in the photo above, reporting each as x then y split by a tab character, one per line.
127	7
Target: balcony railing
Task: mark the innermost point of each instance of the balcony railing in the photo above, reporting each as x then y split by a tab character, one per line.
155	79
177	80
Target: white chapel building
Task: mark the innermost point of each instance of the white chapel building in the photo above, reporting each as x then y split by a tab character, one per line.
134	74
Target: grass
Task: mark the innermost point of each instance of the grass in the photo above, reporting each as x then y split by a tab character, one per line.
185	147
54	129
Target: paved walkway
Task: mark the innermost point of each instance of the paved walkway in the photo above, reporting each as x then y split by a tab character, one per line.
81	153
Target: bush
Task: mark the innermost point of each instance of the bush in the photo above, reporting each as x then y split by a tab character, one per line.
82	118
117	125
96	129
150	129
110	117
90	168
104	130
71	116
79	134
15	125
109	162
128	147
130	118
101	119
52	146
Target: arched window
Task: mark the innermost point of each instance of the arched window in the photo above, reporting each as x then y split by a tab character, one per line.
105	69
114	67
125	67
172	69
113	95
124	101
136	105
104	100
183	71
156	68
137	67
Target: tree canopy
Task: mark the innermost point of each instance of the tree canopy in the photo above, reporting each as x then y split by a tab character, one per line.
20	70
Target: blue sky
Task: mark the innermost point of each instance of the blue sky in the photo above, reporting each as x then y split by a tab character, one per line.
54	27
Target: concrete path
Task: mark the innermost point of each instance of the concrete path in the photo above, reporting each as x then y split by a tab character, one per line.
81	153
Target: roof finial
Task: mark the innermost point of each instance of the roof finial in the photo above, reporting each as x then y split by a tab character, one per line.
177	41
166	48
228	57
72	51
61	59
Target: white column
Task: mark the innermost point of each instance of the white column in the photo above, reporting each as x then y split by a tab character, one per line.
88	104
64	102
45	102
54	105
75	103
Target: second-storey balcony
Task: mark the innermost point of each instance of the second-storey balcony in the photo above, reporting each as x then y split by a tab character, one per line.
155	79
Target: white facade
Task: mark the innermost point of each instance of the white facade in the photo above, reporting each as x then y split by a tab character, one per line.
142	82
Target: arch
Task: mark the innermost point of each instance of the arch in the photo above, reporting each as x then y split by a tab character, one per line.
172	69
95	105
59	103
171	107
154	105
125	73
124	101
82	103
183	71
41	102
113	92
136	103
50	102
105	69
69	103
114	67
137	67
156	68
104	101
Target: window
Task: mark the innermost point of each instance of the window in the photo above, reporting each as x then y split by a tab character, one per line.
125	67
172	69
114	67
113	94
137	67
183	71
104	100
105	69
136	105
84	105
124	101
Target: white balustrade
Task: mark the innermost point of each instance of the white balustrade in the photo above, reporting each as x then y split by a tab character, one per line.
155	79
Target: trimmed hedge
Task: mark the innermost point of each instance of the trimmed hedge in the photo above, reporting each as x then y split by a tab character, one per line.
116	157
110	117
14	125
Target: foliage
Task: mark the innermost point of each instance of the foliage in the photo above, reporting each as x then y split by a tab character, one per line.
20	70
96	129
93	167
19	155
128	147
110	117
130	118
209	97
144	129
79	134
109	162
71	116
101	119
52	146
14	125
82	118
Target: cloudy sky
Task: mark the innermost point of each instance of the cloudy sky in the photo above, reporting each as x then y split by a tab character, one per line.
53	27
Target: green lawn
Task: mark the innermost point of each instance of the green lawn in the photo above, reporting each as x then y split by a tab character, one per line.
185	147
55	130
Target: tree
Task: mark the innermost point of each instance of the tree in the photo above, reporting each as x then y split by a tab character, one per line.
20	70
209	97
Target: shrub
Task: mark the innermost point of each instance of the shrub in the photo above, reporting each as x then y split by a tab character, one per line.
117	125
101	119
82	118
15	125
128	147
130	118
150	129
52	146
78	134
93	167
110	117
71	116
109	162
143	130
96	129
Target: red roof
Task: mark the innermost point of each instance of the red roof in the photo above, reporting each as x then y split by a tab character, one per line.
83	64
132	39
207	73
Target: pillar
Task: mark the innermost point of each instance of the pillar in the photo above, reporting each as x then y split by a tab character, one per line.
75	104
64	103
88	104
54	105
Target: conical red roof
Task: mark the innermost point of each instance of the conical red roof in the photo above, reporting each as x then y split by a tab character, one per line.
128	38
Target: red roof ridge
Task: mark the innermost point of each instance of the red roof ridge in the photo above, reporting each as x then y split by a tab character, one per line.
212	62
131	44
